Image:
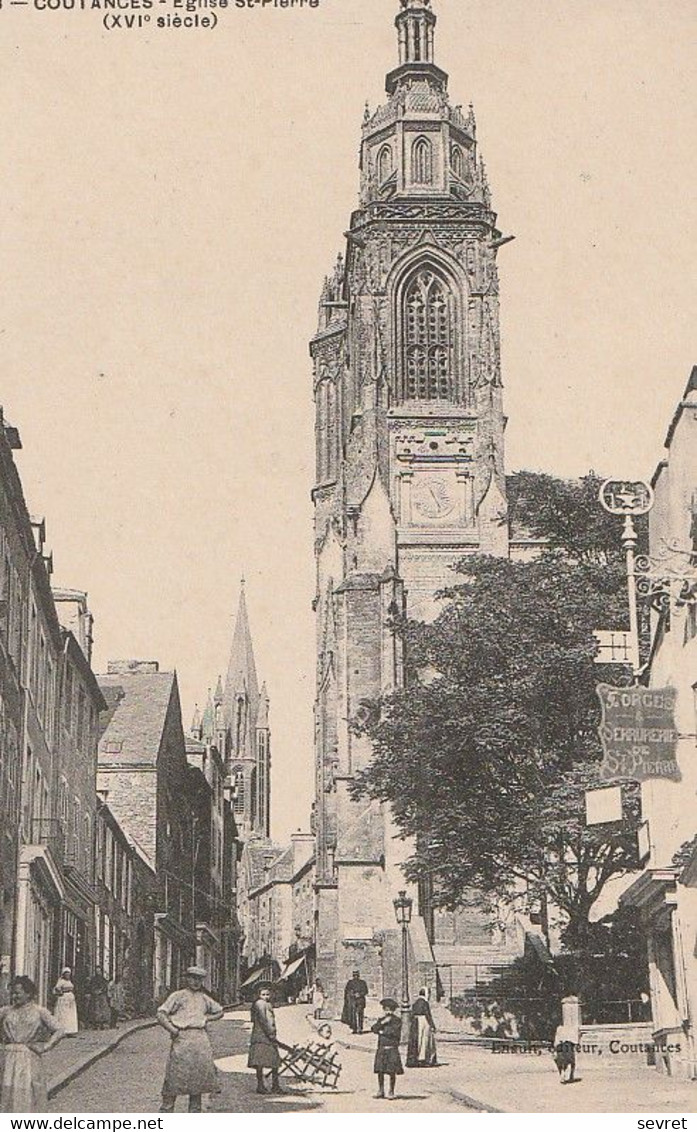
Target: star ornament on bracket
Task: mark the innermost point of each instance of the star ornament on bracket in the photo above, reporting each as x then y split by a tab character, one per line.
626	497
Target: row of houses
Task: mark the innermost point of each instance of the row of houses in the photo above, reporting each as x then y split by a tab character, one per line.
277	909
118	839
168	795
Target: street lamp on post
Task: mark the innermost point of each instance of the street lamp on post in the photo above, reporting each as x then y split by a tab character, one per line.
402	910
629	543
629	499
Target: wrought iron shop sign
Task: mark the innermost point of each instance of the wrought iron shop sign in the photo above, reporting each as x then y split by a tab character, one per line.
638	733
626	497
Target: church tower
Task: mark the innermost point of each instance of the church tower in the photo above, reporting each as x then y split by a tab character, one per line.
410	465
236	719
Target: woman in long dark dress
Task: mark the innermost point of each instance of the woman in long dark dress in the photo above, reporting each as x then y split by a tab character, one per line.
565	1043
421	1050
388	1063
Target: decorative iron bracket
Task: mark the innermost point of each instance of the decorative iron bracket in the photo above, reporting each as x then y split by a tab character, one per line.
667	577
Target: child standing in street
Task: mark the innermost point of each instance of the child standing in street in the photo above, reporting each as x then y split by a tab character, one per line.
388	1062
263	1043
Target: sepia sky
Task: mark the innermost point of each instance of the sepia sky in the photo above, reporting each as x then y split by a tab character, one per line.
169	204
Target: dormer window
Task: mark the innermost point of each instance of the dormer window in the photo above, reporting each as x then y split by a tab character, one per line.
422	162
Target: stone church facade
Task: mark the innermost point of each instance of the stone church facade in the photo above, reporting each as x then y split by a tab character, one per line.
410	467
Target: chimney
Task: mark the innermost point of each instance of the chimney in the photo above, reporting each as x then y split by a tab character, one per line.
303	848
74	614
38	526
132	667
300	838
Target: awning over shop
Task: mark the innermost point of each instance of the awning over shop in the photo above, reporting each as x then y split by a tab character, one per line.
292	967
80	896
254	977
174	931
38	860
653	891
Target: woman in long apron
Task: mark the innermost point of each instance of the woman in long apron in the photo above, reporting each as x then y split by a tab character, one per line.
317	999
27	1031
65	1009
190	1066
421	1050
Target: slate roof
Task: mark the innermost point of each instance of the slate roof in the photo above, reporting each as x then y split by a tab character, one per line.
136	716
257	853
283	868
133	843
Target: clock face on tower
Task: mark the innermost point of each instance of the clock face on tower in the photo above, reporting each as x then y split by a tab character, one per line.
432	498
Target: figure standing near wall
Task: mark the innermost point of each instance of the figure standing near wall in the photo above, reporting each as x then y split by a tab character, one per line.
355	994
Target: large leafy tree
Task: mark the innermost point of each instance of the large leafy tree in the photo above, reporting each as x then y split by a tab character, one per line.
567	515
487	752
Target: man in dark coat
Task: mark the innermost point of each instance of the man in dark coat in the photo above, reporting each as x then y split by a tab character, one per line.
388	1062
355	994
263	1044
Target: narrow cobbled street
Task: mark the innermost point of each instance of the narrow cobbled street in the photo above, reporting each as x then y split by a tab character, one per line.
128	1080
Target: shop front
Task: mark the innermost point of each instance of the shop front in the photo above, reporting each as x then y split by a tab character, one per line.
40	893
664	904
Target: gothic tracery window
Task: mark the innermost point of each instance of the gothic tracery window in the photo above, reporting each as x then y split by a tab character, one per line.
422	162
427	338
240	725
327	430
253	796
239	800
331	430
458	162
384	164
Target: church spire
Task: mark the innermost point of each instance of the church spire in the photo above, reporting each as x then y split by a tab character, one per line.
416	27
242	671
245	711
208	720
